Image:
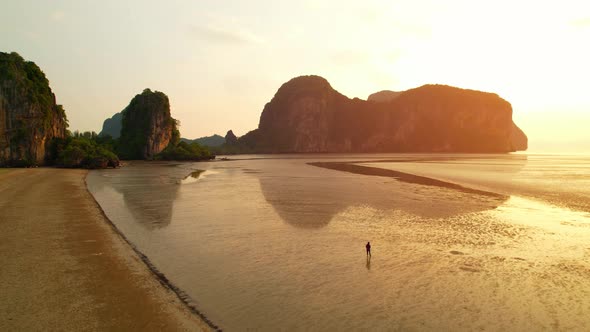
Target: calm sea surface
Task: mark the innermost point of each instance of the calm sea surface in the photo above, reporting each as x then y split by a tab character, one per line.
273	243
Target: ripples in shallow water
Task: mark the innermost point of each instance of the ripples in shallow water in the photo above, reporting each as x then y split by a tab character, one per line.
278	244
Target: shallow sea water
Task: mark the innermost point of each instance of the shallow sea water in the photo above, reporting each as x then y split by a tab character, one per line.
272	243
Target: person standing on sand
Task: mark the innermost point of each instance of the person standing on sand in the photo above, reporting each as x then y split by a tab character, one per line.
368	246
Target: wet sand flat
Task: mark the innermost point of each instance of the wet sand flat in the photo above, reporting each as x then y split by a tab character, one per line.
275	244
65	268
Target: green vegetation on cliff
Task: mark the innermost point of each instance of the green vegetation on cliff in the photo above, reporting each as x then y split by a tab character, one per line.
28	77
148	131
33	127
147	126
29	116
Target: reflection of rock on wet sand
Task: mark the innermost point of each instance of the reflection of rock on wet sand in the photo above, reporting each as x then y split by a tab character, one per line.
313	202
149	194
304	202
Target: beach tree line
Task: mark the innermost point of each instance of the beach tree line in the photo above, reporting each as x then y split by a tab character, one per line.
90	150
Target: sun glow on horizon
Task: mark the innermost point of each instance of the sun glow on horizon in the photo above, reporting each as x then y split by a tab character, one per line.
532	54
221	62
514	49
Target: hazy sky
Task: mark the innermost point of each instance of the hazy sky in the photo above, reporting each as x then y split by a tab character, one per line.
221	61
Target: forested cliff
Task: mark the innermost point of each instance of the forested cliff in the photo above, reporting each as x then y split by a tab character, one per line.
29	115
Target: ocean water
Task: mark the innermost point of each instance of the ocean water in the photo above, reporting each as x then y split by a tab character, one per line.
274	243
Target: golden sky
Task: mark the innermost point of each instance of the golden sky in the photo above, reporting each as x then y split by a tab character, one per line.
221	61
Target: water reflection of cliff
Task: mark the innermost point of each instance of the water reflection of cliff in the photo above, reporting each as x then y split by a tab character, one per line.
312	202
149	193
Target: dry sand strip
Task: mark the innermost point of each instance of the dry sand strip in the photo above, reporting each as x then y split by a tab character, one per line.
63	267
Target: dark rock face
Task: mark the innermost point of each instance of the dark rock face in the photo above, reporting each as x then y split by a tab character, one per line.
147	127
230	138
112	126
210	141
383	96
302	117
308	115
518	139
29	115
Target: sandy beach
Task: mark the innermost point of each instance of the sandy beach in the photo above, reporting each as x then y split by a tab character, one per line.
64	267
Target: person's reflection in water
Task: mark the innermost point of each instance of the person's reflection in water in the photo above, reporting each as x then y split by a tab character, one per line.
368	247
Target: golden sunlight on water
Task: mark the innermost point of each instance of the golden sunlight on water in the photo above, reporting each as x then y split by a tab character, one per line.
275	243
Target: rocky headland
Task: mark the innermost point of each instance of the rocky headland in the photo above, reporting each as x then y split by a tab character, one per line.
308	115
112	126
210	141
29	115
148	132
147	126
33	127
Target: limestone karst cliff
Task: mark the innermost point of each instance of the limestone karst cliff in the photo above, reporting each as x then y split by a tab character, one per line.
112	126
147	126
29	115
210	141
230	138
518	139
384	96
308	115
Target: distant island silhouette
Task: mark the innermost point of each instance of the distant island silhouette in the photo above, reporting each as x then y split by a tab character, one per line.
308	115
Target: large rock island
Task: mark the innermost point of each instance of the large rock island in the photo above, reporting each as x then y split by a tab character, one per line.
147	127
148	131
29	115
308	115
